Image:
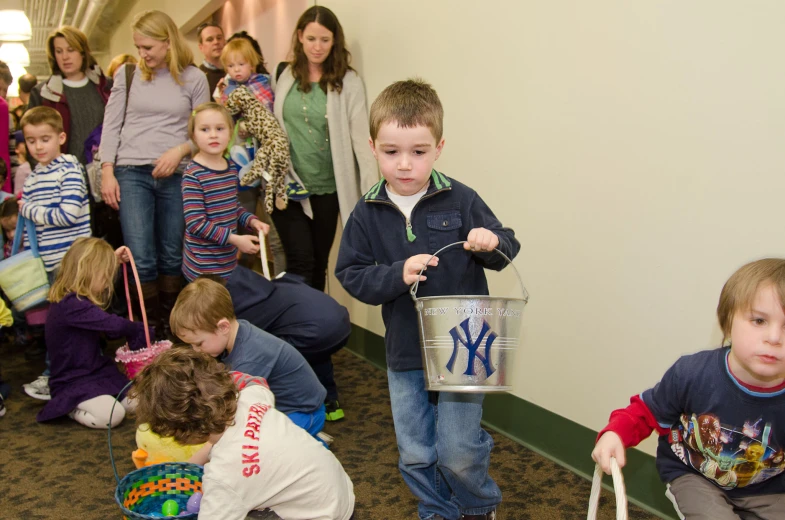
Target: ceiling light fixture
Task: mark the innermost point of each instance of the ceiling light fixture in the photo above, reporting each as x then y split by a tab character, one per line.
14	24
14	52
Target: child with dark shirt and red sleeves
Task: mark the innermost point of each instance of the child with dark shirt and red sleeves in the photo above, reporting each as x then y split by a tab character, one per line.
720	413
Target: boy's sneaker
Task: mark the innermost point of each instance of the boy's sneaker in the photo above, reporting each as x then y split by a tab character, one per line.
333	411
295	191
325	438
38	389
2	406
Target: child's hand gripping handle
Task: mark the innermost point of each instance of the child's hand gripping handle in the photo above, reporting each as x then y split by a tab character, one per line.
416	284
127	254
618	487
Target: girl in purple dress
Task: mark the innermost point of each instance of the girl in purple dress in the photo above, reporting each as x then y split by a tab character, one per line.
84	382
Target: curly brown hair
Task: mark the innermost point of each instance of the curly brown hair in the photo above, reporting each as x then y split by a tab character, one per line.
335	66
186	395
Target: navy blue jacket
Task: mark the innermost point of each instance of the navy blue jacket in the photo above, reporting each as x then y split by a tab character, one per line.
309	320
376	243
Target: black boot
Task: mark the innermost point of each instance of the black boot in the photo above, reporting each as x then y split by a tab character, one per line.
169	289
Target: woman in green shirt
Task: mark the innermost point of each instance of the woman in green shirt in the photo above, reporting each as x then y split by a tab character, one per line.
320	103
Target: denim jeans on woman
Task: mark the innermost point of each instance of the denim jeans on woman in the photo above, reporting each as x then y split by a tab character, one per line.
151	214
444	453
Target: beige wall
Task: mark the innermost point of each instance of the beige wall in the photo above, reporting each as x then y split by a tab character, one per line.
271	22
636	149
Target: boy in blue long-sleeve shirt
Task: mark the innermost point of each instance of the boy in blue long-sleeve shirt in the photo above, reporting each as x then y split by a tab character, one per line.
388	239
54	196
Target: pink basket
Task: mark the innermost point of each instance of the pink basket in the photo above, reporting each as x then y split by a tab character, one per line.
135	360
37	316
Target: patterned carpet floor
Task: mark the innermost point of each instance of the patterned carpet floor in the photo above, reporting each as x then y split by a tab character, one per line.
61	470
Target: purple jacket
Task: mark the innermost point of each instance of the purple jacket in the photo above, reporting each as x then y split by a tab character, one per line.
80	371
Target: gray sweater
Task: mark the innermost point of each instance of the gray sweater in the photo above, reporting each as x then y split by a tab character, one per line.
87	102
355	168
157	116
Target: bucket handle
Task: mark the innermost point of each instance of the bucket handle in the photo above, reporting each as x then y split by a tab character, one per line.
415	285
618	487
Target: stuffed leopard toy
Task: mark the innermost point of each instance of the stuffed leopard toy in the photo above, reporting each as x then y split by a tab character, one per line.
273	155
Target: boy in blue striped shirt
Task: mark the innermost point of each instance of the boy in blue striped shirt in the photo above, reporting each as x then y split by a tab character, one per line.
54	197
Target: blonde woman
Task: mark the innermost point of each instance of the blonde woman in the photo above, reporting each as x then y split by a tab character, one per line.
144	147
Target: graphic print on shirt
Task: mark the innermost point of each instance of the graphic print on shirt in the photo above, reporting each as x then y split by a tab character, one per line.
730	456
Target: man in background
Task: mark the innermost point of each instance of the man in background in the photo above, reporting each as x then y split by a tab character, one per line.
26	84
211	44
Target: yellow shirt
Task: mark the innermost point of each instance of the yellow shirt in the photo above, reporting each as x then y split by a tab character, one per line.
5	315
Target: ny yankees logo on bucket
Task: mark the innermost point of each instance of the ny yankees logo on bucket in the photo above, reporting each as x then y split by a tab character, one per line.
473	345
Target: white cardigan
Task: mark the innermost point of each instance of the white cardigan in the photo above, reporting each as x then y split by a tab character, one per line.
354	165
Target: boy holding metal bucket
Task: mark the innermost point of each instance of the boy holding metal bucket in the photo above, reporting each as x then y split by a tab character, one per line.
386	242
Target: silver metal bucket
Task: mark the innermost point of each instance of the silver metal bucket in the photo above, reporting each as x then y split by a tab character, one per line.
469	342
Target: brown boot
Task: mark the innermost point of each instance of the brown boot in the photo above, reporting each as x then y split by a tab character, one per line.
169	288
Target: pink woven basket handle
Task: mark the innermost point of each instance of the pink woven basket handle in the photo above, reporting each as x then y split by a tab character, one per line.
141	296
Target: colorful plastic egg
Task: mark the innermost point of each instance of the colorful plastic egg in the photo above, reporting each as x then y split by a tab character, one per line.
170	508
194	503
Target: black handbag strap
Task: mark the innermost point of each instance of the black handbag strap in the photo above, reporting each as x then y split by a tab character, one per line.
279	70
129	78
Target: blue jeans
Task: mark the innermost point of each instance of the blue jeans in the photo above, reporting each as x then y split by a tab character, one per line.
312	422
444	453
151	214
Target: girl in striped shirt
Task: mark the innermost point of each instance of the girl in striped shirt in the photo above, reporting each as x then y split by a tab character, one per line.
212	211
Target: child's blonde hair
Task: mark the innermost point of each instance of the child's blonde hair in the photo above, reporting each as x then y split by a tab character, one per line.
159	26
210	105
200	306
42	116
87	259
242	47
408	103
185	394
739	291
120	59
